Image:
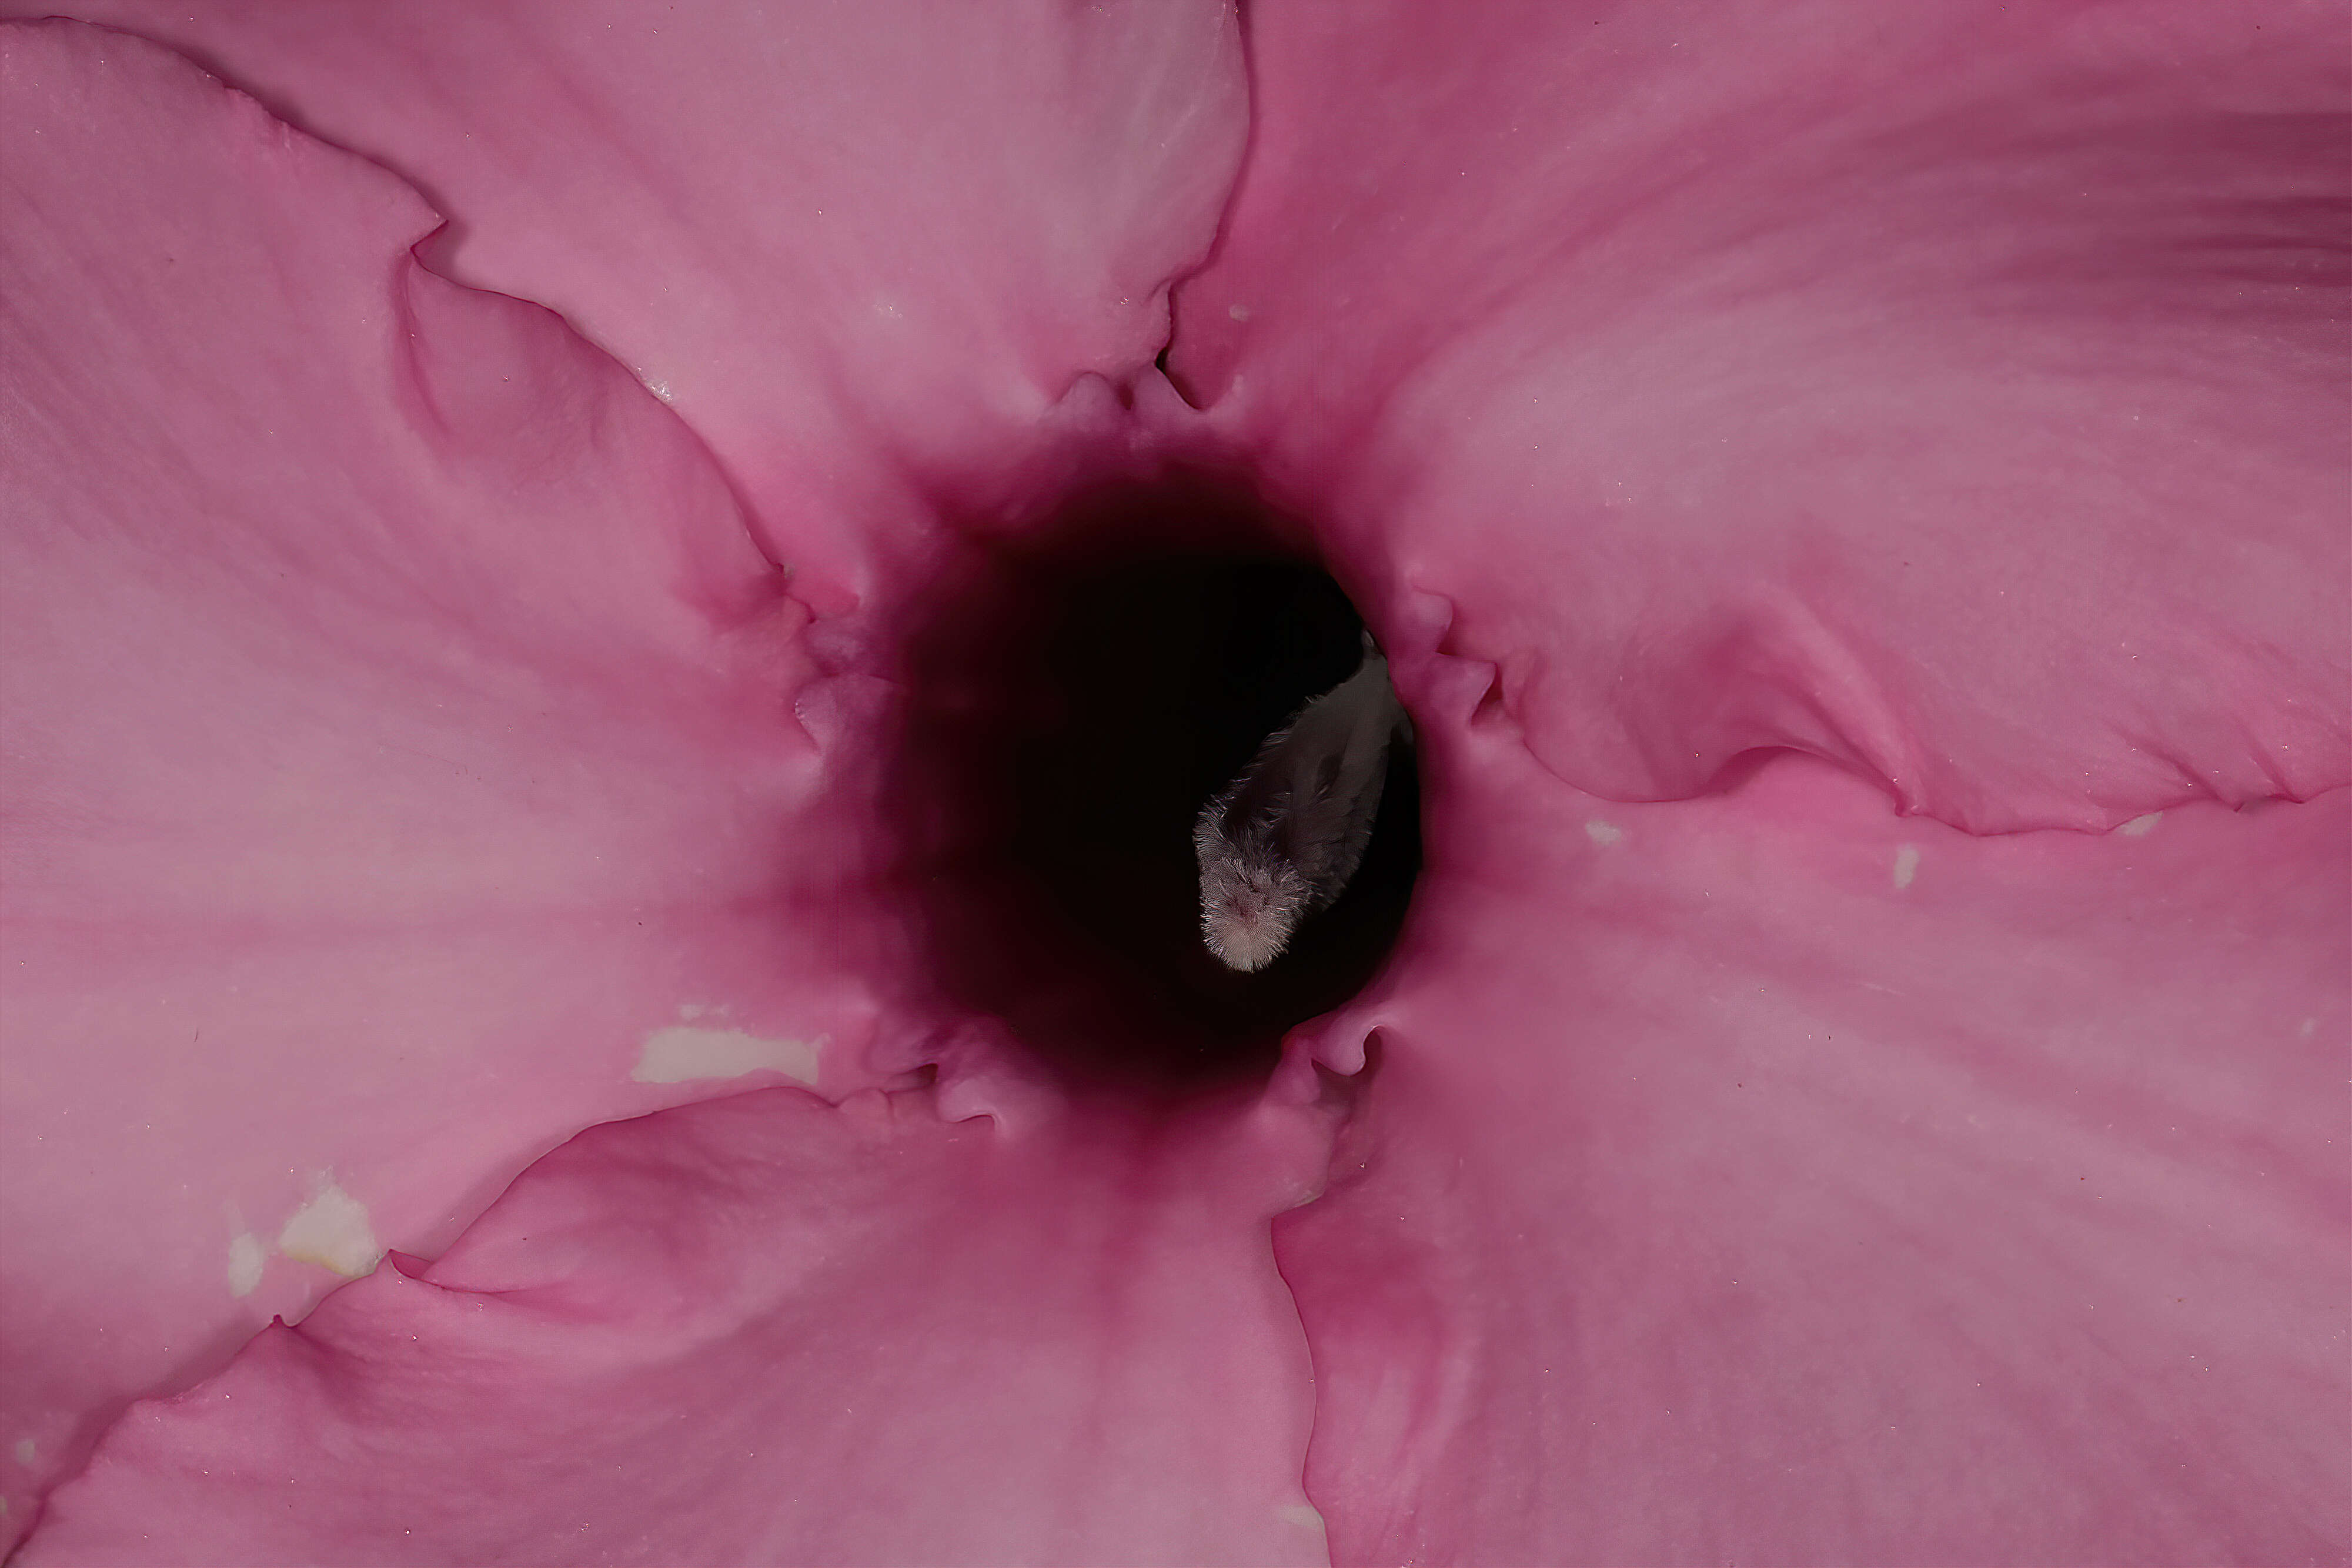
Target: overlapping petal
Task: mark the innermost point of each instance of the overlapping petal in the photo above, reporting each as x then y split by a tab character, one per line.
413	753
398	735
827	234
761	1330
1763	1177
1956	393
1953	394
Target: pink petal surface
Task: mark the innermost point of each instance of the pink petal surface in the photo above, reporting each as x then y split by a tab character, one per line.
1954	394
760	1330
1953	391
404	764
825	234
1766	1178
396	738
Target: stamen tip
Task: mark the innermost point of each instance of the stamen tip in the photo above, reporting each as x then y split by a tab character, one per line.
1244	941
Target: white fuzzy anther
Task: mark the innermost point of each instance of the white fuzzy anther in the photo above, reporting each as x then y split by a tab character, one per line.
1282	841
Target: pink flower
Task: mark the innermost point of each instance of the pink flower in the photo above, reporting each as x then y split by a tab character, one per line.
1854	497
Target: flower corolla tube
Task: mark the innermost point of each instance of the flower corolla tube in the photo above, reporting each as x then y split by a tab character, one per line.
616	621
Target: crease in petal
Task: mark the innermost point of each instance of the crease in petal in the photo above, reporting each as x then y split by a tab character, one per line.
1958	396
863	250
1778	1178
767	1329
399	729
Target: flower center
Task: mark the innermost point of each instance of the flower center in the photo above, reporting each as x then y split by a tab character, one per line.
1076	696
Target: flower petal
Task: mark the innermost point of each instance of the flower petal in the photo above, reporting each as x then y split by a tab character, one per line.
760	1330
861	248
1763	1177
1954	392
398	740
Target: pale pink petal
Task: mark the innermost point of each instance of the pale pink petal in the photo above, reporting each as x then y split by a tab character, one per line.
1766	1178
399	741
1955	391
825	234
420	760
762	1331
